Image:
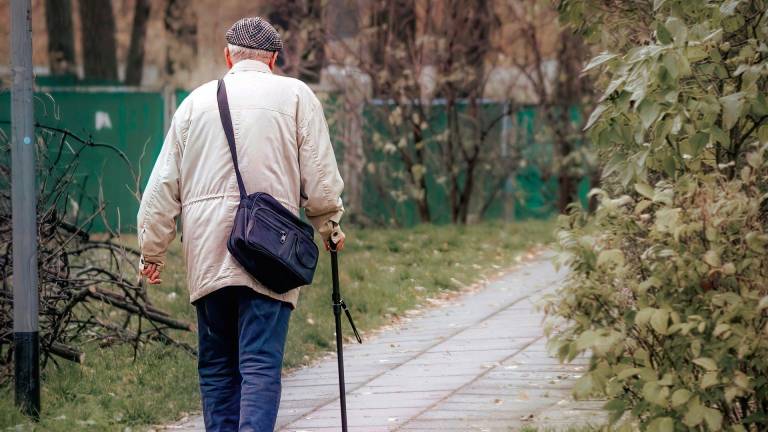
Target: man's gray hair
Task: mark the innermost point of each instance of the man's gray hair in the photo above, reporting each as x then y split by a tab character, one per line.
238	53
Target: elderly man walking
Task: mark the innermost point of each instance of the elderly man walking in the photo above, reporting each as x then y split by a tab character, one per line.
283	148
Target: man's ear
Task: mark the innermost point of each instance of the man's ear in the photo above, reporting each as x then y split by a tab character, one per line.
273	60
228	57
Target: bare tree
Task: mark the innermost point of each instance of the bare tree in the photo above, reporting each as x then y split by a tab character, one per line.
463	77
432	133
429	62
89	292
61	37
559	89
98	39
300	23
134	66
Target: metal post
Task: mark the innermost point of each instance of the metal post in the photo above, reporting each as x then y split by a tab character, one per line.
23	202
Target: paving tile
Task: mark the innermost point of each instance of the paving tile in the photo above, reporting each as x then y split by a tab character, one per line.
479	363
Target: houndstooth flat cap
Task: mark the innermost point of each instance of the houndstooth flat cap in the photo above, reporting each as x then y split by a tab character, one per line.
254	33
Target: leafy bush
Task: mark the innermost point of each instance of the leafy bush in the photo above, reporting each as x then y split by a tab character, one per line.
668	288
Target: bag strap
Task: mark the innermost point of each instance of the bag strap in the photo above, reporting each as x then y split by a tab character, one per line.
226	122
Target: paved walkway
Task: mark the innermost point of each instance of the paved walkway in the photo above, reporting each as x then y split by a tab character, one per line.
476	364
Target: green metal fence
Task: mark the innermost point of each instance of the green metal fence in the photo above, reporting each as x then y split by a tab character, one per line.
131	121
525	193
134	122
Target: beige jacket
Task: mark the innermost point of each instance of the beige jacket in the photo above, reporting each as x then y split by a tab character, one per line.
283	148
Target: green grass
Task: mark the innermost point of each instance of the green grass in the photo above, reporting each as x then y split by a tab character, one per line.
568	429
384	274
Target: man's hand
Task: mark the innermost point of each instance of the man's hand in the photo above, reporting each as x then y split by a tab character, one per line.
152	273
337	236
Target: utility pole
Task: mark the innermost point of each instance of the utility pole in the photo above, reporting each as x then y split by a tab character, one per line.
26	339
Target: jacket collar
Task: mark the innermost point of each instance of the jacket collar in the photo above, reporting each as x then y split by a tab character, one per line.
249	66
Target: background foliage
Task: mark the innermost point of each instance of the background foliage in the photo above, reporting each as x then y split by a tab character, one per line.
669	288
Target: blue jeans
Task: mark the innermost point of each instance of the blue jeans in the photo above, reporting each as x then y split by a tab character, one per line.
241	340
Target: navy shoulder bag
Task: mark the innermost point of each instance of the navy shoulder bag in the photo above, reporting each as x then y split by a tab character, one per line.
268	240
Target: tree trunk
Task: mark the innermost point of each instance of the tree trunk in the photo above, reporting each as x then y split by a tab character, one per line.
313	56
61	39
98	39
352	136
450	154
134	66
423	203
567	191
466	195
423	207
594	182
569	92
181	25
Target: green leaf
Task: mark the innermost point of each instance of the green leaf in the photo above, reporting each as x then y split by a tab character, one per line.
741	380
680	397
720	329
696	347
729	268
661	424
599	60
706	362
732	108
612	256
660	321
755	242
713	418
667	380
644	316
731	393
655	394
695	414
755	159
616	407
720	136
642	206
626	373
729	8
763	304
712	258
677	29
583	386
760	105
645	190
649	111
669	165
662	34
599	110
586	340
658	3
708	380
762	134
698	141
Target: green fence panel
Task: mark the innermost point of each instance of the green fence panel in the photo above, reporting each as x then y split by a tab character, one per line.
130	121
526	193
134	123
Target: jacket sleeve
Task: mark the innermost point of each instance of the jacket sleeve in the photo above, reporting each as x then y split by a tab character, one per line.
161	202
321	183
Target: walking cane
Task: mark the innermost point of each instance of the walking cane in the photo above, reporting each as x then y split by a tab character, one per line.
338	306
